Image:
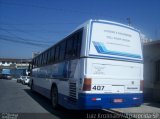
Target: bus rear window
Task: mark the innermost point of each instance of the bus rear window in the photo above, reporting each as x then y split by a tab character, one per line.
115	41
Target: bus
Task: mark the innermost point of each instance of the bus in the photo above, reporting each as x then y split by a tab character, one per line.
99	65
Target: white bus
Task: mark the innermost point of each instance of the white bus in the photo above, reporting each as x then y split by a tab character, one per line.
99	65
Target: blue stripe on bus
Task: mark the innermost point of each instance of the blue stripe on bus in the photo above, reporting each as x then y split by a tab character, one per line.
103	47
97	48
100	48
116	58
103	50
85	100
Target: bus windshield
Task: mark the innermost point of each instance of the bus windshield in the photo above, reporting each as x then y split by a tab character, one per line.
116	41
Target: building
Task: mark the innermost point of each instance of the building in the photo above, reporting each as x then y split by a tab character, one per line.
34	54
144	38
14	67
151	53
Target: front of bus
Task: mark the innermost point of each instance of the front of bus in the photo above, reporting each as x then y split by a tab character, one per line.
113	73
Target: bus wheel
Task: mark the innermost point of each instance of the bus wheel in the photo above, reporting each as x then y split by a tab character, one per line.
31	86
54	97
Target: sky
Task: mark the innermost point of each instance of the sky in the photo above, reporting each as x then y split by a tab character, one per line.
28	26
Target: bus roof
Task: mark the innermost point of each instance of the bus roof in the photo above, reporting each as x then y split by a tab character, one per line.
89	23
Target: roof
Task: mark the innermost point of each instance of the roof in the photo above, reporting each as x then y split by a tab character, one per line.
88	23
15	60
116	23
155	42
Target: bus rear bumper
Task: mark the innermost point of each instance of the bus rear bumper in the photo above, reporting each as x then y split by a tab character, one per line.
106	101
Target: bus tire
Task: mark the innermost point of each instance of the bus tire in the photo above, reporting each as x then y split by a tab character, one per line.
32	86
54	97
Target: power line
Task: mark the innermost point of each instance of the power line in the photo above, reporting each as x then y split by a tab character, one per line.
23	39
28	33
38	30
49	23
5	38
51	8
26	43
17	39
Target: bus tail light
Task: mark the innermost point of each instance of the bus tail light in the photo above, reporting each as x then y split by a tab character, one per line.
141	85
96	99
87	84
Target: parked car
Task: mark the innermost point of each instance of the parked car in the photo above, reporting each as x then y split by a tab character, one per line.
19	79
6	76
25	80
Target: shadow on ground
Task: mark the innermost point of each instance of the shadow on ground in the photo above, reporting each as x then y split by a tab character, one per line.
62	113
152	103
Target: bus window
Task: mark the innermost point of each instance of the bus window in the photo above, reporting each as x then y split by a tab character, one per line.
69	48
62	50
57	53
52	52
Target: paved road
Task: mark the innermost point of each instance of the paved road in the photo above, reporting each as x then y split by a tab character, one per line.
18	101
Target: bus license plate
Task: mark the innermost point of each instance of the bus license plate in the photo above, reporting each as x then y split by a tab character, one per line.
118	100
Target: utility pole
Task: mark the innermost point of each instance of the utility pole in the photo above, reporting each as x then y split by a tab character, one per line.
129	21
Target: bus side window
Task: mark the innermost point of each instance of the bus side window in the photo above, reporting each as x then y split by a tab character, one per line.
75	46
57	53
51	57
40	59
62	50
35	62
46	56
47	59
41	62
69	48
79	40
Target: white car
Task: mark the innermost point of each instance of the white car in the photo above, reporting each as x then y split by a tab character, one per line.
20	79
25	80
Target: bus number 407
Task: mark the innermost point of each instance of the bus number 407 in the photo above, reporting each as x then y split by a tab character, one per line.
98	87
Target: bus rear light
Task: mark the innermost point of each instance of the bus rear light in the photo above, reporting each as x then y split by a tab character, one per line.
135	98
141	85
87	84
96	99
